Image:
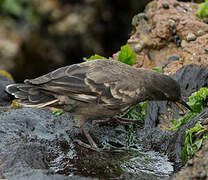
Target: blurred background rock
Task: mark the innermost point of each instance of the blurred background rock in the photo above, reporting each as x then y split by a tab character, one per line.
39	36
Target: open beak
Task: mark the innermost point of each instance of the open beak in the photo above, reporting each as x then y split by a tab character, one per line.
181	102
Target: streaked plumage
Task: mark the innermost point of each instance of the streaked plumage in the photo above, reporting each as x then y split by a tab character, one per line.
95	89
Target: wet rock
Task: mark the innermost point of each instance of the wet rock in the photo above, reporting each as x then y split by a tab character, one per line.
35	144
191	37
189	82
30	132
5	98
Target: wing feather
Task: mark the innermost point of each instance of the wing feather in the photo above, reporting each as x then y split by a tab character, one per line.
91	81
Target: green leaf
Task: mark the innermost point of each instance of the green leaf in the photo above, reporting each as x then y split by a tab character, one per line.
197	101
202	10
127	55
191	147
157	69
57	112
94	57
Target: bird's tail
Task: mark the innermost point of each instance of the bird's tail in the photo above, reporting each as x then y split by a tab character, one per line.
30	95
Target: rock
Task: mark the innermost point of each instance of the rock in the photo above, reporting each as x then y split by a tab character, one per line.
184	43
191	37
173	58
34	144
205	20
162	28
165	5
172	23
138	47
206	51
201	32
5	98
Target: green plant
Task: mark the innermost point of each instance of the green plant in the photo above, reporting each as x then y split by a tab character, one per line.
57	112
127	55
158	69
137	112
202	10
197	102
93	57
193	141
177	123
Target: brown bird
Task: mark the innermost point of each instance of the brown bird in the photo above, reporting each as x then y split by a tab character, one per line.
96	90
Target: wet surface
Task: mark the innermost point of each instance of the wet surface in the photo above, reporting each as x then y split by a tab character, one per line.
35	144
33	141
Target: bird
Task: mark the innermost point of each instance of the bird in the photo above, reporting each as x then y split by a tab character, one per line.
96	90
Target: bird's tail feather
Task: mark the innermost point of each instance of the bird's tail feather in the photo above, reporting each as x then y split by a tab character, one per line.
31	96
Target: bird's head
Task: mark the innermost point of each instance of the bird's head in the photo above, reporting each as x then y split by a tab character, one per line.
162	87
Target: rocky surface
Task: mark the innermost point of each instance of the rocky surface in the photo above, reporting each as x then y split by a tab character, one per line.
161	33
167	35
129	152
170	36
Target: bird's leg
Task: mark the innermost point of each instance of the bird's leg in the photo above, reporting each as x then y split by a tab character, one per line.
89	138
93	146
120	120
80	122
127	120
102	122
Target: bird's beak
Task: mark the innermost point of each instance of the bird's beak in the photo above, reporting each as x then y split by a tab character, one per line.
181	102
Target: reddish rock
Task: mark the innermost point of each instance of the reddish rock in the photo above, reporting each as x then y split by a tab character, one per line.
161	32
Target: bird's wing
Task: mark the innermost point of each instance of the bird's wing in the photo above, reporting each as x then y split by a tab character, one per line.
97	81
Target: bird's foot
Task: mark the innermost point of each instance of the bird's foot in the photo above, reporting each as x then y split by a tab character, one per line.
102	122
92	146
120	120
85	145
126	121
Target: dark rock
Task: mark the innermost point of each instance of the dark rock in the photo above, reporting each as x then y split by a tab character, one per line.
173	31
205	20
5	98
189	82
34	144
201	175
173	58
178	43
165	5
